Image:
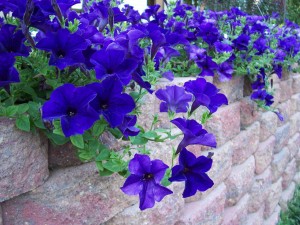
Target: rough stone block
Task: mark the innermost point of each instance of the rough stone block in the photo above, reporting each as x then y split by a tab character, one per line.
297	157
165	212
74	195
225	123
297	178
286	196
296	84
245	143
1	221
294	144
233	94
237	214
296	102
259	190
268	125
277	94
279	163
286	89
273	198
285	108
220	170
274	218
282	137
249	112
207	211
295	123
289	174
264	154
256	218
23	160
239	181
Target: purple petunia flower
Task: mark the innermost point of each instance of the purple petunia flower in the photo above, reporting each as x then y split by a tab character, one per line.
70	104
192	171
8	74
110	101
208	32
263	95
207	66
144	180
66	48
175	99
193	133
111	62
222	47
280	55
225	71
241	42
205	94
260	45
127	127
12	41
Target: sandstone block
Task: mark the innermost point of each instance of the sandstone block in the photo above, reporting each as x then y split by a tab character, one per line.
237	214
245	143
297	178
264	154
286	89
249	112
279	163
23	160
256	218
296	102
289	174
259	190
239	181
294	144
282	137
207	211
268	125
286	196
285	108
296	84
225	123
295	123
274	218
74	195
277	95
273	198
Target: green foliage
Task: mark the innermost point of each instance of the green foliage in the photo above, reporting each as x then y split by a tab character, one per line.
292	215
293	10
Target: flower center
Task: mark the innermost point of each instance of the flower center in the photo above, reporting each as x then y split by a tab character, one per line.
186	170
61	54
104	106
71	112
148	176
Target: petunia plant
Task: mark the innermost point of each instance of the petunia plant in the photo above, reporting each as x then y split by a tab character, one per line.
78	76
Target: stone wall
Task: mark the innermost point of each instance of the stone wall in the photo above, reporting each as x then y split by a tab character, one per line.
256	169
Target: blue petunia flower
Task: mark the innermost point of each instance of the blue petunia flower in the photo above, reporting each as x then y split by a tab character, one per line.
175	99
263	95
145	179
8	74
207	66
193	134
71	105
225	71
110	102
192	171
205	94
66	48
242	42
127	127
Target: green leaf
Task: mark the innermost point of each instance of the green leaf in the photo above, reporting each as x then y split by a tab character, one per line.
23	108
138	140
113	166
150	135
99	128
57	139
11	111
104	154
77	141
105	173
23	122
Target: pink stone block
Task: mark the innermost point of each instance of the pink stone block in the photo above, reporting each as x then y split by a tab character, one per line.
273	198
237	214
264	155
286	196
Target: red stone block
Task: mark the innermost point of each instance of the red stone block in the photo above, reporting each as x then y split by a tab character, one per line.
259	190
268	125
237	214
239	181
249	112
288	174
74	195
273	198
279	163
286	196
207	211
225	124
282	135
23	160
264	154
245	143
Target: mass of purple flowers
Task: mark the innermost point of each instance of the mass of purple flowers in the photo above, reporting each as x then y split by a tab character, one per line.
76	75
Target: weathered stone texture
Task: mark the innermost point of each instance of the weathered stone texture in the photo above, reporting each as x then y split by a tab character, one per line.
295	123
274	218
296	84
245	143
294	145
282	137
208	211
264	154
286	196
285	108
289	174
297	178
76	195
256	218
23	160
268	125
225	123
239	181
279	163
286	90
259	190
237	214
296	102
273	198
249	112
